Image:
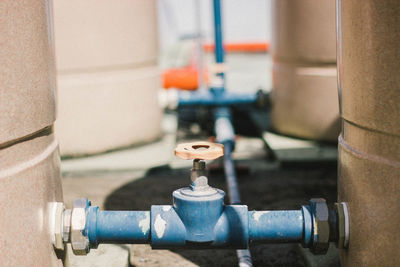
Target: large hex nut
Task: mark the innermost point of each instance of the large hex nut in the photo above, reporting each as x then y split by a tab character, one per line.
320	212
79	242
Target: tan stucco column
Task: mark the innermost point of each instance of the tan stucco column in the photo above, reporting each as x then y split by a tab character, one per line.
29	157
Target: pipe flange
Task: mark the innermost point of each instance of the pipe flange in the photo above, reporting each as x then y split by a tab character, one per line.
67	225
56	224
79	242
343	225
320	214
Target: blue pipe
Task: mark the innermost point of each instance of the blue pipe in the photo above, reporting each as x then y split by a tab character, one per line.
120	227
225	135
219	49
166	226
280	226
215	97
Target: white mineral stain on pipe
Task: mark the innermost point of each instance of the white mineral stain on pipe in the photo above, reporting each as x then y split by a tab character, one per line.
166	208
145	223
258	214
159	226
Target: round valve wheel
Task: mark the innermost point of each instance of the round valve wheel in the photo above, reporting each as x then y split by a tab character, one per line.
199	150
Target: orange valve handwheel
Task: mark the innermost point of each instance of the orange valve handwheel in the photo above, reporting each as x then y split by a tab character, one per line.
199	150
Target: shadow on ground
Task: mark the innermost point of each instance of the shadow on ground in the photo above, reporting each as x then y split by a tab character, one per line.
261	189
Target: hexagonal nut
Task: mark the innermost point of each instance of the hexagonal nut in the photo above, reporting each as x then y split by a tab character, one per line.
67	225
79	242
320	212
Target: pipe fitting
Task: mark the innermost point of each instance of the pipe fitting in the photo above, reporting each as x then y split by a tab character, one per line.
56	224
343	225
320	212
67	225
79	241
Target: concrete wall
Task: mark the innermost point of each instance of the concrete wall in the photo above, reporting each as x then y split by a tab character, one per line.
106	54
29	156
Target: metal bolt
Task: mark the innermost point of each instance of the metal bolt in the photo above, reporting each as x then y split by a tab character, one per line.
198	170
320	212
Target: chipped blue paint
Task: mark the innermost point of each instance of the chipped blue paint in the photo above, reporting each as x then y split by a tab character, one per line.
199	222
120	227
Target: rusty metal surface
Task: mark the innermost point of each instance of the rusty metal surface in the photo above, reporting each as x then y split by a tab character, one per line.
369	158
303	31
305	102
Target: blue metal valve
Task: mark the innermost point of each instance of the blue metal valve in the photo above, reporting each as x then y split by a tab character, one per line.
200	223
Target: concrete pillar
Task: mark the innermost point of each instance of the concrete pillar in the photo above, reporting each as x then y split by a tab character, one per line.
29	158
106	54
303	47
369	145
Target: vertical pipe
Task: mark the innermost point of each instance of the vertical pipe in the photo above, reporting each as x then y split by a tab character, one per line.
230	175
219	49
244	256
200	51
225	135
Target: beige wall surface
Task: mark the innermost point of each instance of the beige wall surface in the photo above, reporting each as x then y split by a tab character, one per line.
29	158
369	145
108	78
103	111
306	102
27	82
303	31
102	34
303	46
29	181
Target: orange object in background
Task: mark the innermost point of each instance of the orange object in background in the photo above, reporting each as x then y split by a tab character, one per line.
241	47
184	78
